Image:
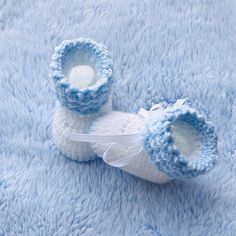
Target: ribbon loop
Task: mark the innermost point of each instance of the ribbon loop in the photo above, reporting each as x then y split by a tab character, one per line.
160	106
180	102
114	140
122	161
105	138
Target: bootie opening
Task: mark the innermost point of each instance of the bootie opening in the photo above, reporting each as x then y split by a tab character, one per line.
187	139
82	76
81	68
182	143
82	73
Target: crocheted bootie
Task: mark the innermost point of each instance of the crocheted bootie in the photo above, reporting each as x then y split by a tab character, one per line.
162	144
82	73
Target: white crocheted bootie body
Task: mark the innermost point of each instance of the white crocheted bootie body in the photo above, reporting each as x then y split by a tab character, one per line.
160	145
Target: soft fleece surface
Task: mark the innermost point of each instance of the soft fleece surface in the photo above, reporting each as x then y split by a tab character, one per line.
162	50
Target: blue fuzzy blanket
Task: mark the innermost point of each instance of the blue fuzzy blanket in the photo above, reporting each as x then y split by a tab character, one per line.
162	50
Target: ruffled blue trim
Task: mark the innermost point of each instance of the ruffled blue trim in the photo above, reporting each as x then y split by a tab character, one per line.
159	144
88	100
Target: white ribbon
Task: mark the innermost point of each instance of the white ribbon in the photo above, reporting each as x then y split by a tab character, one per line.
113	140
121	139
105	138
145	114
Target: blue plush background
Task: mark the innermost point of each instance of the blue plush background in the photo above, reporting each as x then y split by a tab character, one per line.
162	50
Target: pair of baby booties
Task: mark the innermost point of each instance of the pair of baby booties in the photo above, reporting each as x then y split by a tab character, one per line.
165	143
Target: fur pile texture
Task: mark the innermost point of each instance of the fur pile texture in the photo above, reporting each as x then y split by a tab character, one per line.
162	50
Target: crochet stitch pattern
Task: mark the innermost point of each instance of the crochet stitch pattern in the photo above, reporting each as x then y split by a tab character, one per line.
159	144
88	100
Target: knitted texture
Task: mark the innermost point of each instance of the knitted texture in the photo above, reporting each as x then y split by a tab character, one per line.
162	50
66	122
90	99
159	144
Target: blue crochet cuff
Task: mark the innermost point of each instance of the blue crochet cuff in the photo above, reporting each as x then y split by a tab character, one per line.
82	51
160	144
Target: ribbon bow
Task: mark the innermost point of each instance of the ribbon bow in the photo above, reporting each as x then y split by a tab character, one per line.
121	139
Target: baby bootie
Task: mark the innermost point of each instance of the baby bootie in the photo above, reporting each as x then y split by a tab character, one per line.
159	145
82	73
165	143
